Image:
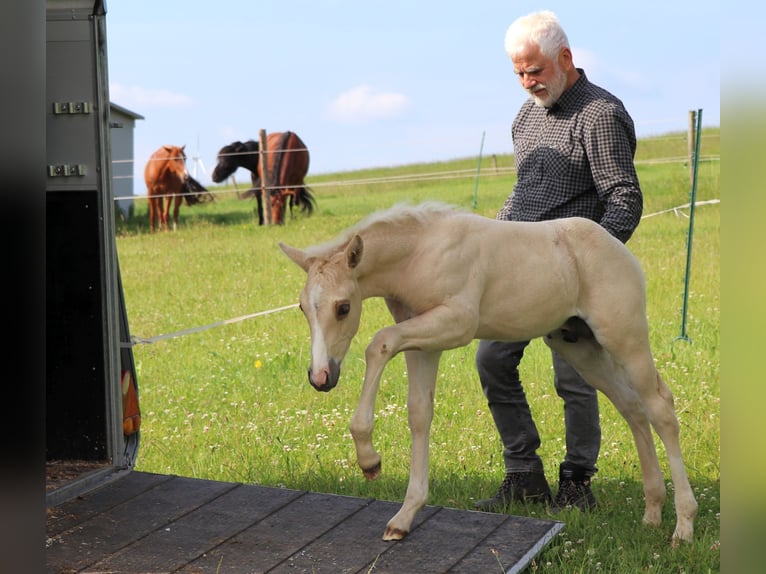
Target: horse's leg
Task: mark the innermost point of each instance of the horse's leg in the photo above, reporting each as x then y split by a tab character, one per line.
152	214
161	213
659	399
275	198
437	329
630	380
158	207
363	419
259	200
290	196
421	373
166	212
443	327
177	199
278	207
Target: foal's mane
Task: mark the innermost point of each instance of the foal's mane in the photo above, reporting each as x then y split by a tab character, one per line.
399	214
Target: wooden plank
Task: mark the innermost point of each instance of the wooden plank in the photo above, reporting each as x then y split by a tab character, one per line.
173	546
440	543
280	536
79	509
106	533
155	523
353	544
512	546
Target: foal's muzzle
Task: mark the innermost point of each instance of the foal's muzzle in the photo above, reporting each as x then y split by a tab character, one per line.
326	379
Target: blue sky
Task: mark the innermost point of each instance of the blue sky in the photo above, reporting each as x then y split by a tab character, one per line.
369	83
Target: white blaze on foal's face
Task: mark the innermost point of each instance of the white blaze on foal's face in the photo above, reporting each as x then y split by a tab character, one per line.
319	354
332	306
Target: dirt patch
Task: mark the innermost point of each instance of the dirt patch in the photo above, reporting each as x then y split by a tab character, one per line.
60	472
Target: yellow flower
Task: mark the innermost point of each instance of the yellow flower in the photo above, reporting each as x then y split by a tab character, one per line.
258	364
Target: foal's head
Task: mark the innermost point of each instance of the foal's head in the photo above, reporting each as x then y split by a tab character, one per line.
332	304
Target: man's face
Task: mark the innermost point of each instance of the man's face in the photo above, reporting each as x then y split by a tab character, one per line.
540	76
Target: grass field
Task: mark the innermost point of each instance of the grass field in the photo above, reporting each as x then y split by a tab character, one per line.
233	403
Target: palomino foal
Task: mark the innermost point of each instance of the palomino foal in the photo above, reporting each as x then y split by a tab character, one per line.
449	277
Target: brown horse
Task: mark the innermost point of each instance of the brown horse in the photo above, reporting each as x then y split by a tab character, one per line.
167	178
287	165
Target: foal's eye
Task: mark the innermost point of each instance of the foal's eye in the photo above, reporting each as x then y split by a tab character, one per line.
342	310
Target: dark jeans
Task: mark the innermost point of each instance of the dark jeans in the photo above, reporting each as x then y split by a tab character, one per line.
498	365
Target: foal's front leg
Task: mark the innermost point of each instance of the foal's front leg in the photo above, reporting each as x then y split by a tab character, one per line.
363	419
380	350
423	338
421	372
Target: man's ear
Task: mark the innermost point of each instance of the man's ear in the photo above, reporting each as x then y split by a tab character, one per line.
565	60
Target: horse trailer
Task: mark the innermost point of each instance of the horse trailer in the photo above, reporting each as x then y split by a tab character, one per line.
89	369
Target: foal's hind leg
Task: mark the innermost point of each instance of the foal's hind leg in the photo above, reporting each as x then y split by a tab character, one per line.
635	388
659	401
647	399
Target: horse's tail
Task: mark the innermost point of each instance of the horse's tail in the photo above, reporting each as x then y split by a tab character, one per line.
304	198
254	191
247	194
194	192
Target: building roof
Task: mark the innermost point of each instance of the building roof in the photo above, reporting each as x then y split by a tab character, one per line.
125	111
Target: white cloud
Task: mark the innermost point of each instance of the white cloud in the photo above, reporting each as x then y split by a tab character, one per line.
137	97
363	103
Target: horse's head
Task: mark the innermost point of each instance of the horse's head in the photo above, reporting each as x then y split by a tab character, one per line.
176	154
278	205
176	160
332	304
232	156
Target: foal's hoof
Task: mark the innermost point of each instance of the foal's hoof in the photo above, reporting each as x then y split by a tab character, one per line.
372	473
682	534
394	533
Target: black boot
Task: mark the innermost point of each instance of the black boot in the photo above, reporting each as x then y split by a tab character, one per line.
523	487
574	489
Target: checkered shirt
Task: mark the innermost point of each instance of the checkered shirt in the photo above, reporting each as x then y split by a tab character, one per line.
576	159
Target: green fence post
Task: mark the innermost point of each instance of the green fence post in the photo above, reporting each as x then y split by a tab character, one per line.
695	161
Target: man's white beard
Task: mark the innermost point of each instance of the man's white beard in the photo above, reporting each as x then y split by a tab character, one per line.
554	88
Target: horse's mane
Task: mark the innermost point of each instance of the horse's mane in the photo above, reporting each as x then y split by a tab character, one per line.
396	215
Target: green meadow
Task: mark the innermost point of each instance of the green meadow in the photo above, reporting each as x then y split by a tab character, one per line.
227	398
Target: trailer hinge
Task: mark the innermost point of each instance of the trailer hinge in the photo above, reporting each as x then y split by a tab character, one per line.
71	108
66	170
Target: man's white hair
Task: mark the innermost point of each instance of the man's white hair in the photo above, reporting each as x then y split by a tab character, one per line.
541	28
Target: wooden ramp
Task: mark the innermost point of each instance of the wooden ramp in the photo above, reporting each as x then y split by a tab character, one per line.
151	523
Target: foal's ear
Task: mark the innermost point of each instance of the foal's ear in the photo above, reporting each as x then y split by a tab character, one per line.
297	255
354	251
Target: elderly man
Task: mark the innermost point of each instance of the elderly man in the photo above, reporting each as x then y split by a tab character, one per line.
574	144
